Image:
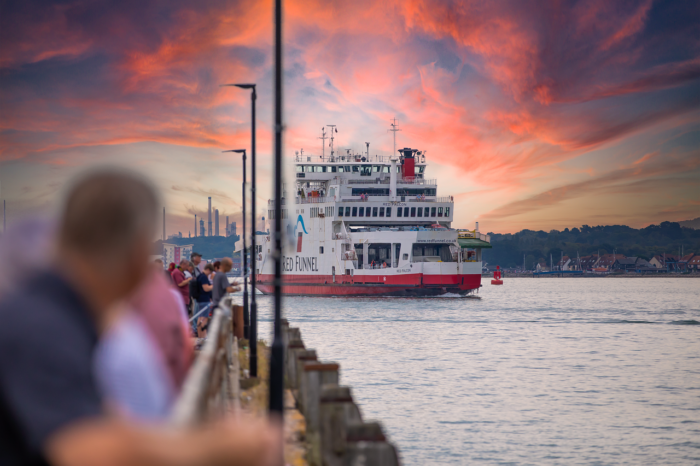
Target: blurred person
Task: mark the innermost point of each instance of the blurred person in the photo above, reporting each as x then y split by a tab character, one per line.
25	249
182	282
196	259
217	267
221	286
142	361
51	409
204	285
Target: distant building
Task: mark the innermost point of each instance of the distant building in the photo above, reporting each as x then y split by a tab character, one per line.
176	236
564	263
589	262
175	253
668	262
683	262
216	222
231	229
608	260
694	263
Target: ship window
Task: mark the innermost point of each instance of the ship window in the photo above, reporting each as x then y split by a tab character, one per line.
300	168
447	211
386	169
334	169
439	211
378	254
381	211
376	168
356	169
388	211
405	257
341	169
405	212
347	211
420	212
432	211
309	168
340	212
399	211
319	169
398	169
421	169
374	211
362	211
347	168
413	211
366	170
354	211
320	250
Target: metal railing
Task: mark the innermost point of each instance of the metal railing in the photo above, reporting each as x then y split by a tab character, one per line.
352	158
211	387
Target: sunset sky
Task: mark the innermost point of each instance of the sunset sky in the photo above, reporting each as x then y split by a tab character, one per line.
540	115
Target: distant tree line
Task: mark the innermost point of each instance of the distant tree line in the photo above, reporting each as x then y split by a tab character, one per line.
536	246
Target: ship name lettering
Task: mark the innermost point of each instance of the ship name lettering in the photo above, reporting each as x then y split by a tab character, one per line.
300	264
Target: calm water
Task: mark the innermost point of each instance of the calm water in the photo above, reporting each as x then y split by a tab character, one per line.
538	371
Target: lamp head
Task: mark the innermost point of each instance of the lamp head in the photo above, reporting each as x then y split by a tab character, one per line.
242	86
238	151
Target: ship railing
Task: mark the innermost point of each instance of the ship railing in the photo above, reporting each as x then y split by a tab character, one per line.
385	179
473	234
211	386
335	158
271	202
314	200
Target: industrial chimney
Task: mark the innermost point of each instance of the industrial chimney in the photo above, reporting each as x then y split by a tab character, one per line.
216	222
209	224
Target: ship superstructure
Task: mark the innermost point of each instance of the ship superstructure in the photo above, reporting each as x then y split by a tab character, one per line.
370	225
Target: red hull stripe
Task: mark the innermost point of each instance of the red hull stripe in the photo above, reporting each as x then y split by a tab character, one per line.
407	284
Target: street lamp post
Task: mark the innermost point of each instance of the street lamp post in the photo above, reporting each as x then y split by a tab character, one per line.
246	323
253	329
276	402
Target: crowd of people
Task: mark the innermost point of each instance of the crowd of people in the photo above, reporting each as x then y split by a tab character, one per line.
200	287
95	344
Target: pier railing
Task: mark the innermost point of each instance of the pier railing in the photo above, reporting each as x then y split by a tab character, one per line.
336	433
211	386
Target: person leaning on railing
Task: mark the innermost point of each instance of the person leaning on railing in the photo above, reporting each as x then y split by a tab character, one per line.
51	410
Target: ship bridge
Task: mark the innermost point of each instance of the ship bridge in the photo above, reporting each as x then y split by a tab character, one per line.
360	189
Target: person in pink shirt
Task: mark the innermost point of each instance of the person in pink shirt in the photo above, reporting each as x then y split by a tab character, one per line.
181	282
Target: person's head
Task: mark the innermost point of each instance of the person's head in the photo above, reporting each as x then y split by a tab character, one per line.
196	258
217	266
208	269
105	233
171	267
226	264
184	265
190	267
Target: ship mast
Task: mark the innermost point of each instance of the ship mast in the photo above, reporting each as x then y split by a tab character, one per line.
323	138
333	130
394	129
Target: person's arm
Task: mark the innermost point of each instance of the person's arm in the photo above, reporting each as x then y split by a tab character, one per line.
115	442
207	288
183	282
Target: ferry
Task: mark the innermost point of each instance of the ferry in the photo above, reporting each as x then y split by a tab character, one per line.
361	225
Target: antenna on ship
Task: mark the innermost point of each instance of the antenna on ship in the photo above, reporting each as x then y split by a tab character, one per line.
333	130
323	138
367	150
394	129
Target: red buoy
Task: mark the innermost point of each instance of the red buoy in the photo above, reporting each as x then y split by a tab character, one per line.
497	276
